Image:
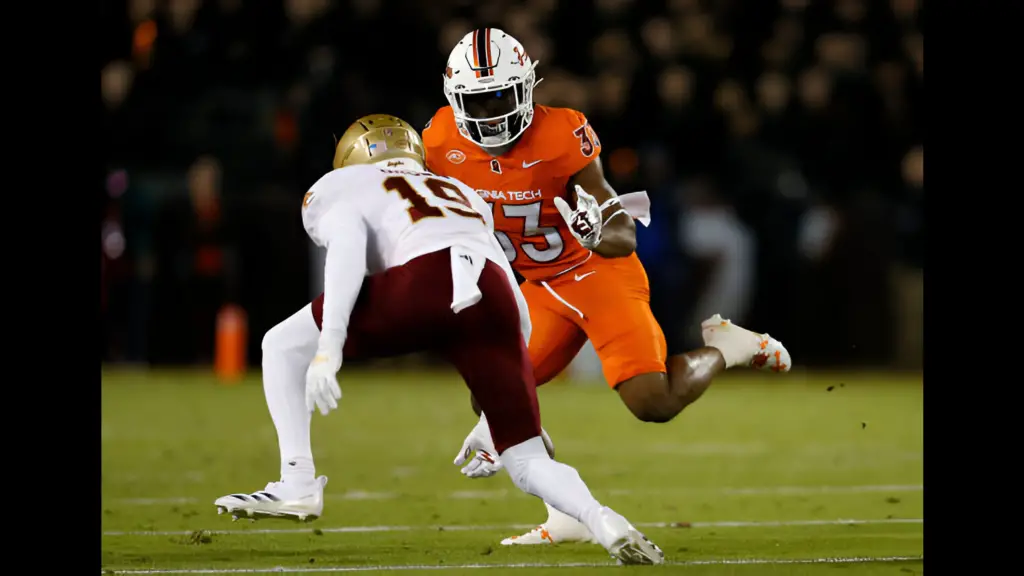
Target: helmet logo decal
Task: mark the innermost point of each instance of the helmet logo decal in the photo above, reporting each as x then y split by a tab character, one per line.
520	55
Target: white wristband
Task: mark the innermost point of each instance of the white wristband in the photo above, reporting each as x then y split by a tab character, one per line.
614	214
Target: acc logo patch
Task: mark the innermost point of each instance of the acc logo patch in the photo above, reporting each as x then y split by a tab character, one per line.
455	156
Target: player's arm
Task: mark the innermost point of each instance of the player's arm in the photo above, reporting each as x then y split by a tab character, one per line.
618	231
338	227
344	235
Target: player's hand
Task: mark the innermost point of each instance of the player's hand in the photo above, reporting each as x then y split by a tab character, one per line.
322	390
486	462
585	221
482	465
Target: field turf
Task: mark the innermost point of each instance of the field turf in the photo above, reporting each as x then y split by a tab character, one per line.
787	475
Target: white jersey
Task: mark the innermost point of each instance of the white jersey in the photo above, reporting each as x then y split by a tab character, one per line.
371	217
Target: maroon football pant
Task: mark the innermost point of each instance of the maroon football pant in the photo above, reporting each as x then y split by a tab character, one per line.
407	309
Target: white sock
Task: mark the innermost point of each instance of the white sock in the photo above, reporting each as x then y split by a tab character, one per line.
287	351
559	485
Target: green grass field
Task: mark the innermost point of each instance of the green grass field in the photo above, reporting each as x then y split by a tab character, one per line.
764	475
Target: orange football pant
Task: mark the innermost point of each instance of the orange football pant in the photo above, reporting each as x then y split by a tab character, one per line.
605	300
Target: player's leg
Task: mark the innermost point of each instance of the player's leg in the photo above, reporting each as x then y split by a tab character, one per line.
384	323
660	395
555	339
288	348
388	320
407	308
632	348
493	360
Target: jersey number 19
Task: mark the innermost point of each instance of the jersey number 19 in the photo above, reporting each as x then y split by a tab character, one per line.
451	199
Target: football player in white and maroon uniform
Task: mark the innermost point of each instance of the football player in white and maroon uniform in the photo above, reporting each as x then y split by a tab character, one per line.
412	265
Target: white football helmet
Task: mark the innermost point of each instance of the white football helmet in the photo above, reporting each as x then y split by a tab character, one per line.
489	83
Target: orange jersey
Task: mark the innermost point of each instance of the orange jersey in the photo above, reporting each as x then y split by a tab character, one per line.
521	185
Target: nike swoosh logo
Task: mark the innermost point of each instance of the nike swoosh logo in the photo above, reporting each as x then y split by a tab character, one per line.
527	165
582	276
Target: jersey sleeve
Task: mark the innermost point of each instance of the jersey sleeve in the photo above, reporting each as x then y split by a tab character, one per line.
345	235
315	205
335	190
578	142
434	135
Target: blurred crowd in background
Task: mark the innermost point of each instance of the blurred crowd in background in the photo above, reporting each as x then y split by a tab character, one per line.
780	141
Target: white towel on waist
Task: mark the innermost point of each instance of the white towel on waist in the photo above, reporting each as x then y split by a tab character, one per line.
466	268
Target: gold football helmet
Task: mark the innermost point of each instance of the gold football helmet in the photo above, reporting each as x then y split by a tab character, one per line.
378	137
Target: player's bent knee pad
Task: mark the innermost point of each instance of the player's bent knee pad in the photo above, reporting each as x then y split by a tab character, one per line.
275	339
270	339
297	332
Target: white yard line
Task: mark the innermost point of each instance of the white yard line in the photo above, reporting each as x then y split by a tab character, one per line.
503	493
464	527
335	569
809	490
482	494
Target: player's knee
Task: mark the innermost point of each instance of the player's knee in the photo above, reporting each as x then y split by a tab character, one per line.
296	334
274	339
649	398
289	334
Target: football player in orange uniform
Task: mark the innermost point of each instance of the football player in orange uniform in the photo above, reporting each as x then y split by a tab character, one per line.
566	231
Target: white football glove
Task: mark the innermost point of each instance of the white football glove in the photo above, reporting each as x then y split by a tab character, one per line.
585	222
486	462
322	390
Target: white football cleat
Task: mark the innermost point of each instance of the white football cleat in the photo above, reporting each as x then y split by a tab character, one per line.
303	502
559	528
624	542
753	350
